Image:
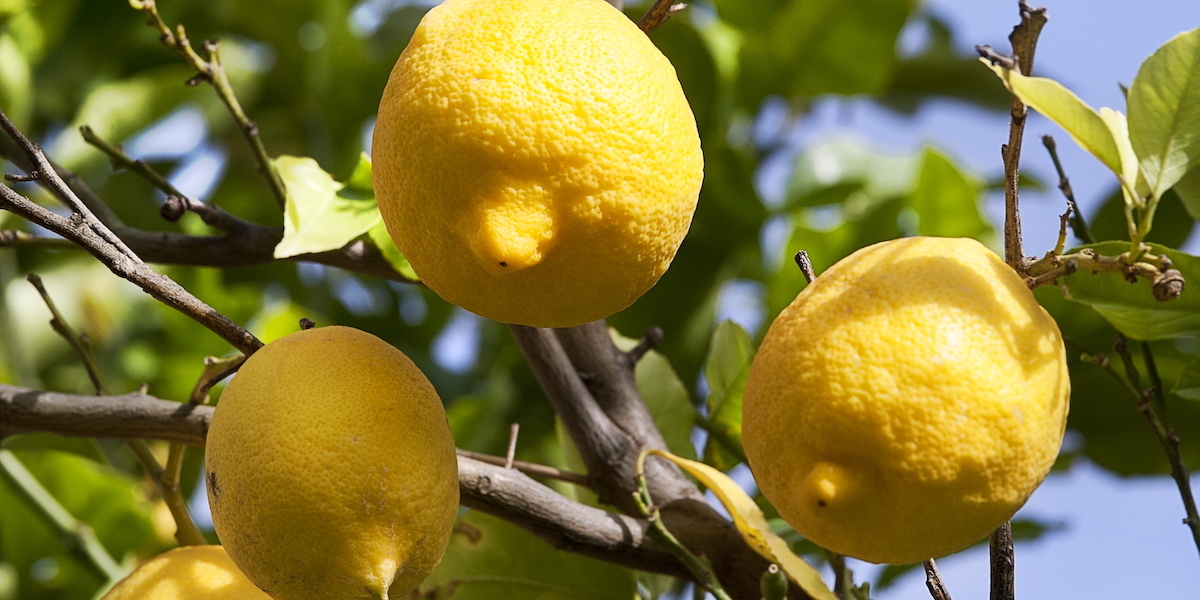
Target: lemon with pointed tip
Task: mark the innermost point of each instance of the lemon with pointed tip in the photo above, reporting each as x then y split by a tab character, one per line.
535	160
187	573
907	402
330	468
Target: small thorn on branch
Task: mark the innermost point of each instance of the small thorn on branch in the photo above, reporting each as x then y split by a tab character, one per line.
650	339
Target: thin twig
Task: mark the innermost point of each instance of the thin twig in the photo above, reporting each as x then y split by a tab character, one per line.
213	71
528	468
1003	563
1024	43
80	538
63	329
85	229
1153	405
511	453
245	243
933	581
48	177
11	238
1078	224
186	532
699	566
658	14
120	160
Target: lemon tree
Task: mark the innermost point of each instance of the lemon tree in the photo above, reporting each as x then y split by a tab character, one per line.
658	174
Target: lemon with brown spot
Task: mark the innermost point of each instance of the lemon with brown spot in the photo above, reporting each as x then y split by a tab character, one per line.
907	402
187	573
331	470
535	160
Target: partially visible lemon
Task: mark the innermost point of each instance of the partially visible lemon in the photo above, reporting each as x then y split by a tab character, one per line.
535	160
331	469
187	573
907	402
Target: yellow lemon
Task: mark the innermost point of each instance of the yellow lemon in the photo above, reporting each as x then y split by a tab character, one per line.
535	160
907	402
330	468
187	573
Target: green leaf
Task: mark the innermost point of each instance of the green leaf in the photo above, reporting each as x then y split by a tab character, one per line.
665	395
1118	126
946	199
387	246
1188	384
839	47
726	368
1188	190
1131	308
1062	106
489	558
322	214
1164	112
749	14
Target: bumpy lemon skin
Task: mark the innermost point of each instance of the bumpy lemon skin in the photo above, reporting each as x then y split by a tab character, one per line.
907	402
331	469
187	573
535	160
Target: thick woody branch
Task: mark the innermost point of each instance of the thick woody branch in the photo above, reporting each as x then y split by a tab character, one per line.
589	382
504	493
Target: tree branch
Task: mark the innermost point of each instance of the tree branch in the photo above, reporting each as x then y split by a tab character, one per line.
1024	42
590	384
244	244
505	493
213	71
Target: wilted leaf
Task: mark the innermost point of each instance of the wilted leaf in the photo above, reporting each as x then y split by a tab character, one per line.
1062	106
753	526
489	558
322	214
1164	112
1132	308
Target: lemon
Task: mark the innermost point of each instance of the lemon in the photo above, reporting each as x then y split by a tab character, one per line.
535	160
907	402
330	468
187	573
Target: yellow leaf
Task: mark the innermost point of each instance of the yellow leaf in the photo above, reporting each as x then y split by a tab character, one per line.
752	524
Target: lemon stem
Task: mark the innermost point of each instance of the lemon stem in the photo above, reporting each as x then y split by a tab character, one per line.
698	565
